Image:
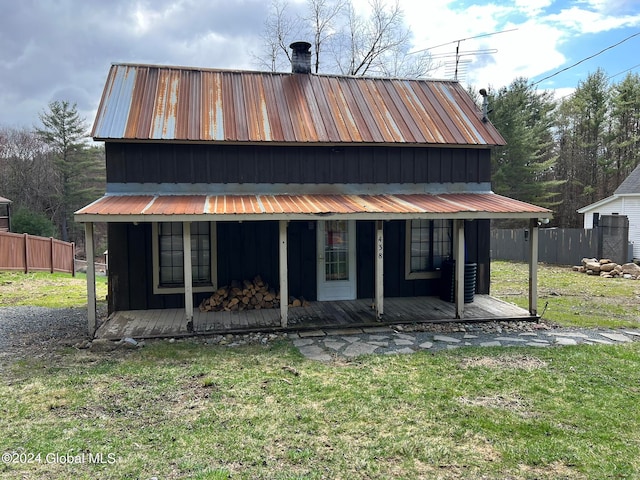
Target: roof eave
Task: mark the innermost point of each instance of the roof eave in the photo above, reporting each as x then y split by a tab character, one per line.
148	218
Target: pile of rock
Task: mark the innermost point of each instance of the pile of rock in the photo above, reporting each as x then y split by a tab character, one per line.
608	269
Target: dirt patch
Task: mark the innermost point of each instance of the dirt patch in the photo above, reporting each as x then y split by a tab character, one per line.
510	362
510	403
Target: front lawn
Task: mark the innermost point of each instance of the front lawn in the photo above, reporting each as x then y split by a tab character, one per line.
188	410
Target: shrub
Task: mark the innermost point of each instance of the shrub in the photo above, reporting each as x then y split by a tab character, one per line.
24	220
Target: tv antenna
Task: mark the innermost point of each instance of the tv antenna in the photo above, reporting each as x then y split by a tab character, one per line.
458	54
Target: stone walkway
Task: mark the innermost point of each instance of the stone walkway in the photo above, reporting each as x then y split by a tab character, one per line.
327	345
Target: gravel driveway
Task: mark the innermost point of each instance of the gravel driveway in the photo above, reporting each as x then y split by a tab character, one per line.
37	332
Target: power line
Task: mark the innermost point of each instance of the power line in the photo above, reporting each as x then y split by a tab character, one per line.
624	71
585	59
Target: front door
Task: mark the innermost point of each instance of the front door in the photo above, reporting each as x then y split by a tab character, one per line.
336	260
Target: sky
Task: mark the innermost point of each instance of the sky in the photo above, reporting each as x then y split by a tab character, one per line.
62	49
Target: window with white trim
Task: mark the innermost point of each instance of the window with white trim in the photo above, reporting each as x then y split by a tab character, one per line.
429	244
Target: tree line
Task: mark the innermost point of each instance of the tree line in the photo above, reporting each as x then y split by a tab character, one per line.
50	171
570	152
561	153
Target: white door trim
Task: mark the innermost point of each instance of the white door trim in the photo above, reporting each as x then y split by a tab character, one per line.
336	289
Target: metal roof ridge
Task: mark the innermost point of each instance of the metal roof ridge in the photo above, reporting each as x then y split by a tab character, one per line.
264	72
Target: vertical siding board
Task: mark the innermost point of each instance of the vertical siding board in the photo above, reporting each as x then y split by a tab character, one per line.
184	163
405	166
484	165
118	284
458	164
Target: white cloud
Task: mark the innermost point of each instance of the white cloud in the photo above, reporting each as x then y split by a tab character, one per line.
590	21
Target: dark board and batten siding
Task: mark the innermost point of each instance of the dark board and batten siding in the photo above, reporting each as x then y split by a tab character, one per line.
251	248
166	163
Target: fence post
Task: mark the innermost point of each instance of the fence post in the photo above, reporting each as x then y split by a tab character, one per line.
26	253
51	252
91	279
73	259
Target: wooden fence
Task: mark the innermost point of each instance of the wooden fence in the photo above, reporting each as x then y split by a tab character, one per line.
560	246
29	253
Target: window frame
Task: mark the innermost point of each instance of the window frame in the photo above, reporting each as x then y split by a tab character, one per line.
427	274
159	289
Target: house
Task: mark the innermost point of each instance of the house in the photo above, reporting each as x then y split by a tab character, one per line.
5	214
624	201
331	188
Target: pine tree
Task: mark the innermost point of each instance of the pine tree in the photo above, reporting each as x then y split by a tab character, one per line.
523	169
76	166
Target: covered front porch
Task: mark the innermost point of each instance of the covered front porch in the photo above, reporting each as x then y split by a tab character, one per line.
140	324
374	307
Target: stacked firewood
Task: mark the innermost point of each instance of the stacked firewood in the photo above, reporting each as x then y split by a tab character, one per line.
246	295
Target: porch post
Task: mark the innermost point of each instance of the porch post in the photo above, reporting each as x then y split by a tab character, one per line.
188	279
533	266
91	278
284	284
458	236
379	249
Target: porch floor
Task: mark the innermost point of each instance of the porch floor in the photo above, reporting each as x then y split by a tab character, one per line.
318	315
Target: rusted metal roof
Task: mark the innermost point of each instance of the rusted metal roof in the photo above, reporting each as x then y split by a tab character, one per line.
162	103
128	208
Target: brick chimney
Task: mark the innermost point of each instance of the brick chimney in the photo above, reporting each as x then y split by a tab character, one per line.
301	57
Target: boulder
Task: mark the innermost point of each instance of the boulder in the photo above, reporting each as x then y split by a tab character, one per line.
631	269
593	266
607	267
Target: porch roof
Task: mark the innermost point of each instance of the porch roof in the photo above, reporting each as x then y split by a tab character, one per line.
225	207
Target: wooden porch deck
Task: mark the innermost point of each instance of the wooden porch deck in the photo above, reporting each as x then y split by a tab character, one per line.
319	315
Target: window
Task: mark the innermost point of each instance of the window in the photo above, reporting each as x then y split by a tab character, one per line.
168	255
429	243
336	250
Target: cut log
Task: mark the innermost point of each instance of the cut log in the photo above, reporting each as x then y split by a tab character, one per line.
244	295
